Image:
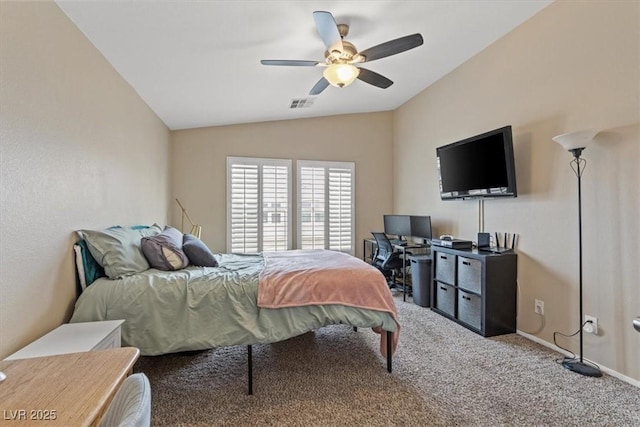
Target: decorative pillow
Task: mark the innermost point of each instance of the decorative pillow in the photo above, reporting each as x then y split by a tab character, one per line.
164	250
118	250
87	267
199	254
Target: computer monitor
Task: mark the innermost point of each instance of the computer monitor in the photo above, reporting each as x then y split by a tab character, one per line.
398	225
420	227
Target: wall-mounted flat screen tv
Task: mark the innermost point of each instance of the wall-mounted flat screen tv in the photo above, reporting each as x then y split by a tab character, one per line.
481	166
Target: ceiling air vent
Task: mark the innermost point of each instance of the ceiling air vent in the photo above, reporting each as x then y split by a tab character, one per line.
301	103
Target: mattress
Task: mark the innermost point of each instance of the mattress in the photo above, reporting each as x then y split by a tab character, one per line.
199	308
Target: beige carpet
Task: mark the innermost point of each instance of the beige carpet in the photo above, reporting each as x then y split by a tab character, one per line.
444	375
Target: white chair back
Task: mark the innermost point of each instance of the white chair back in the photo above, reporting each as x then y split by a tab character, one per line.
131	405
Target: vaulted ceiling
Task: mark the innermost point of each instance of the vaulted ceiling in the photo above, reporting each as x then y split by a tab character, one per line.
197	63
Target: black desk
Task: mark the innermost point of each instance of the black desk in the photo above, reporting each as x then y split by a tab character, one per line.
403	249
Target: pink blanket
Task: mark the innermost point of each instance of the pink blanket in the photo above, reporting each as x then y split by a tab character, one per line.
316	277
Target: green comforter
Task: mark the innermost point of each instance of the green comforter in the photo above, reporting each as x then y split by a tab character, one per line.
204	307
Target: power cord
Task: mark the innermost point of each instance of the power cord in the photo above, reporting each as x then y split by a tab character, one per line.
573	355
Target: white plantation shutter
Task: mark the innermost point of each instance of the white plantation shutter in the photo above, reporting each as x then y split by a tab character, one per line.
326	193
275	207
341	211
258	205
243	211
311	212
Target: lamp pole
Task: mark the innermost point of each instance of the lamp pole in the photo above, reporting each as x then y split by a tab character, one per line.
578	365
576	153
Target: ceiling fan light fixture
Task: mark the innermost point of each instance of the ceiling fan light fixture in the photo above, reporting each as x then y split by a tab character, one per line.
341	55
341	75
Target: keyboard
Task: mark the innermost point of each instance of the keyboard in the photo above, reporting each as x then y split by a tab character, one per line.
398	242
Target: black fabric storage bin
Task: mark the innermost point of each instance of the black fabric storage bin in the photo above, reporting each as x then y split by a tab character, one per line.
446	298
445	267
469	309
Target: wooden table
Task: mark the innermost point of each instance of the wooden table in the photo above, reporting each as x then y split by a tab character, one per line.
66	390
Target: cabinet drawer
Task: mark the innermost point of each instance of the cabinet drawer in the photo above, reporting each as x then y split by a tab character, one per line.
445	267
469	309
470	274
446	298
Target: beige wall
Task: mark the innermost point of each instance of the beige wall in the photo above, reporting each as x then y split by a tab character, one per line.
573	66
78	149
199	164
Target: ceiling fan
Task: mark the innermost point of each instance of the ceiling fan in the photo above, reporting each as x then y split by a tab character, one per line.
342	59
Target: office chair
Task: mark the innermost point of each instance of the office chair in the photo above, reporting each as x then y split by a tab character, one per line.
386	259
131	405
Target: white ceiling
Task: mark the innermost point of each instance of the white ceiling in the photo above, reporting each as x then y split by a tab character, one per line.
197	63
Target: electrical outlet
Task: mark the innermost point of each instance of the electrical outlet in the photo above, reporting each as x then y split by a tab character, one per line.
592	327
538	307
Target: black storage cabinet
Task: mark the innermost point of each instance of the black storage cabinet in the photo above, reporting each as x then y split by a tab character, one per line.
475	289
421	279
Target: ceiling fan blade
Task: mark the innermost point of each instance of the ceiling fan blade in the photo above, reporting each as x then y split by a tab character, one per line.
289	62
328	30
374	78
392	47
319	87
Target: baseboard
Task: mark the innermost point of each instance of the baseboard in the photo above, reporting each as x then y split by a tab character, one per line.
604	369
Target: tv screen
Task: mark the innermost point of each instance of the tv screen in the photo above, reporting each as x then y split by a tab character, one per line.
477	167
398	225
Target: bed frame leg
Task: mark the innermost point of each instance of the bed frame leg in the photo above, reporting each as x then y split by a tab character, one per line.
389	351
250	370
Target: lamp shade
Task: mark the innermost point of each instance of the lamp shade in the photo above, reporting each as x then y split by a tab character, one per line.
341	75
571	141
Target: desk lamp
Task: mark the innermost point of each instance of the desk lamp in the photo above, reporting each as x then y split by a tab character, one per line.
196	229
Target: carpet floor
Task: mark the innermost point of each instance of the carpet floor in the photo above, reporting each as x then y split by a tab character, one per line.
443	375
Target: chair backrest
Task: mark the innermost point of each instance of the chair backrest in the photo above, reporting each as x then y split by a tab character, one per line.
385	249
131	405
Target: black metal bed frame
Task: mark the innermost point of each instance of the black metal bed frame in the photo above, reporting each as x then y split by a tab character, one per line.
250	361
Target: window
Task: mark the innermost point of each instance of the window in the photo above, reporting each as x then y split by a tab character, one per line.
258	205
326	194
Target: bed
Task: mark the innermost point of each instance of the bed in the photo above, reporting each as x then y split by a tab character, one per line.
246	299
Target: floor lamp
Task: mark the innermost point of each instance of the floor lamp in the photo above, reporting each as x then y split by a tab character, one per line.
575	142
196	229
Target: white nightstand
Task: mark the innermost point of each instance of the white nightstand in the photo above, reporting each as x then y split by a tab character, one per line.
74	338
